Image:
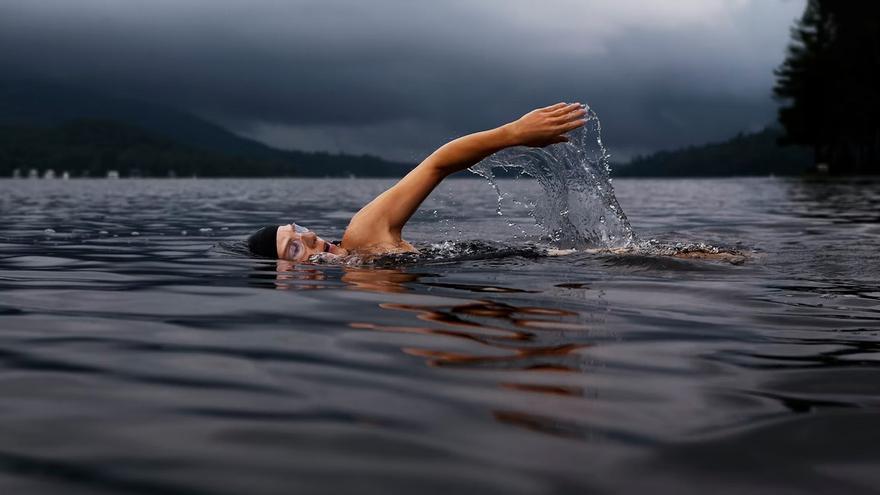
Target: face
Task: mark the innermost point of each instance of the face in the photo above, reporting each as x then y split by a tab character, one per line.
296	243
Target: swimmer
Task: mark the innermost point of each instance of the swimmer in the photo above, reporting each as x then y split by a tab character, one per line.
378	227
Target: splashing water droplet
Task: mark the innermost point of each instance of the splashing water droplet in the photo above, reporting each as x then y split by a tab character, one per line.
578	207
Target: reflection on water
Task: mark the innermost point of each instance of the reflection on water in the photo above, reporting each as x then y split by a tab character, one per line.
378	279
508	337
286	275
169	362
484	323
840	201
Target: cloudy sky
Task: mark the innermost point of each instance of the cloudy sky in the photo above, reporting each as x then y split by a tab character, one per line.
397	78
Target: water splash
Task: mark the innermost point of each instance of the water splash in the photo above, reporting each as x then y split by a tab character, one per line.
445	252
440	253
578	208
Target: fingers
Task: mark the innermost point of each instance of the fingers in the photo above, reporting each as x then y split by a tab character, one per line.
566	108
574	124
569	117
555	107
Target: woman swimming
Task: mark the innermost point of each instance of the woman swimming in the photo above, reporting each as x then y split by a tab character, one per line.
377	228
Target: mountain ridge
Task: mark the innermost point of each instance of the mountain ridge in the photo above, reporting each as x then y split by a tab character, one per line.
746	154
31	105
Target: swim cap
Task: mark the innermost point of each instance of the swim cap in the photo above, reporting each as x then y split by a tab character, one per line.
262	242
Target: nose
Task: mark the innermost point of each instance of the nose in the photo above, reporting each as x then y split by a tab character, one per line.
309	239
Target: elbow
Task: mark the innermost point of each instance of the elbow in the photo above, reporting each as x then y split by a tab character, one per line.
437	168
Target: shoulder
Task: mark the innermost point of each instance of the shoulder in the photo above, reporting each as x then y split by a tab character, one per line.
368	232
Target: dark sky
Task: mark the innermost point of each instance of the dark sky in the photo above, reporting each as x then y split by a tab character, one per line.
398	78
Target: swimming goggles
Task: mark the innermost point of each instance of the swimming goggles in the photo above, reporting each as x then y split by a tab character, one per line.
295	248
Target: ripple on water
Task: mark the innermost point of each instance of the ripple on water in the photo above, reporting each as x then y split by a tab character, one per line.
171	363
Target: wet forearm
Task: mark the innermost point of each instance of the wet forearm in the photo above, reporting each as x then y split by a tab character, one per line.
465	151
538	128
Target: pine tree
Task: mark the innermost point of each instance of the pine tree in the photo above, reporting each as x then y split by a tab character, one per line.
829	84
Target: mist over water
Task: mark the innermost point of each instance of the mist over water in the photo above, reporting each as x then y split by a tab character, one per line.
577	207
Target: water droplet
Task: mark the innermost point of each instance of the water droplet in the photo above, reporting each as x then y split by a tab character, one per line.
135	233
49	231
205	229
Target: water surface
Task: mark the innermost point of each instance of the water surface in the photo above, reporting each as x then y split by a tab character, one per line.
142	353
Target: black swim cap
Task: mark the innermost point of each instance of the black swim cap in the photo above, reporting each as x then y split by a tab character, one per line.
262	242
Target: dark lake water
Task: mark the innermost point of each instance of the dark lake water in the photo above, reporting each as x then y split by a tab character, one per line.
141	353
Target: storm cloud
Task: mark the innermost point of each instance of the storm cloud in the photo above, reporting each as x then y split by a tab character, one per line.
397	78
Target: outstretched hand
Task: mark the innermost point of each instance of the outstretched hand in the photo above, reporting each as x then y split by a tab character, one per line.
548	125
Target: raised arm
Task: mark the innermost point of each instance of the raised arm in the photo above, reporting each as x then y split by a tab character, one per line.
381	222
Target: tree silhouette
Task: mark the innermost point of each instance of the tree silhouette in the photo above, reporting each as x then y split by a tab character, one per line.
830	85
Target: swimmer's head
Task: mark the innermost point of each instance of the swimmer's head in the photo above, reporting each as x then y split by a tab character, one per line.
290	242
263	242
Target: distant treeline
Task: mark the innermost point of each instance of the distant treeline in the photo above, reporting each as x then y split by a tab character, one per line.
830	85
746	154
94	147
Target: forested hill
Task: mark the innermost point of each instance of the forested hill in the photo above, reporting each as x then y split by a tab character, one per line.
91	147
46	126
38	104
746	154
